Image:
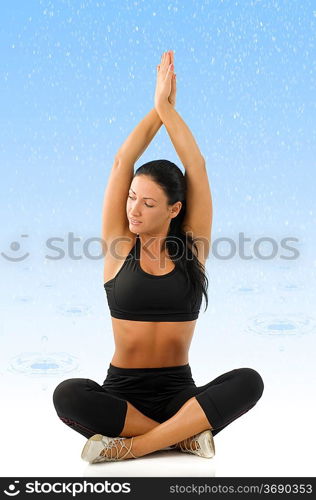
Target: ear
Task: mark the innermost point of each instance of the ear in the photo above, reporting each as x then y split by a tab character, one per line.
176	209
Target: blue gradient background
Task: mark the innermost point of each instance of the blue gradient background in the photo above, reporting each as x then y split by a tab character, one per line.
75	79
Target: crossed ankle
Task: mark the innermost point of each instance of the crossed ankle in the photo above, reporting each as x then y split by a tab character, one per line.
119	451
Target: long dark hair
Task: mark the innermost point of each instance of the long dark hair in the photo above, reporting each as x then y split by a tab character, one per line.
171	179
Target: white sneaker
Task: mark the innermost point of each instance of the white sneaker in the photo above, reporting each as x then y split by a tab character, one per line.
204	442
97	443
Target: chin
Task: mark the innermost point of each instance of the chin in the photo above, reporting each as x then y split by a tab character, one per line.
134	229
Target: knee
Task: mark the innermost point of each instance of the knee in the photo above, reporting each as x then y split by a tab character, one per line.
67	393
252	380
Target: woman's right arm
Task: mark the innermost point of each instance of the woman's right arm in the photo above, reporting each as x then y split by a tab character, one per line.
114	219
139	139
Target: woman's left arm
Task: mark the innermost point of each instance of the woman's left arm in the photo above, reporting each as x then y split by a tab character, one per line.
199	209
181	136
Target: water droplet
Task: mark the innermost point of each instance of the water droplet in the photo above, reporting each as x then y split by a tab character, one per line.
37	363
286	325
74	309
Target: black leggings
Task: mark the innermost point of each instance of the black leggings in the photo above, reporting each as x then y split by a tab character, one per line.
90	408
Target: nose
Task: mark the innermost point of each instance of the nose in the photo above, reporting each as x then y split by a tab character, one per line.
134	211
134	214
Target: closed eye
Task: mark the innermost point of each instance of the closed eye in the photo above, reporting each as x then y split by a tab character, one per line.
150	206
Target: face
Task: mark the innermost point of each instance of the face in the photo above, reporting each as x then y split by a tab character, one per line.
147	203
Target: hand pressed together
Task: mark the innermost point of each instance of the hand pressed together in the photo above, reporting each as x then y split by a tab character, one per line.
166	81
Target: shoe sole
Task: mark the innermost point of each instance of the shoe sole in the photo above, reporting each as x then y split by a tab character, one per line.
92	448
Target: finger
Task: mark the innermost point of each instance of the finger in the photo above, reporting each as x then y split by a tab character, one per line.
170	70
165	65
168	74
172	85
162	61
167	59
170	61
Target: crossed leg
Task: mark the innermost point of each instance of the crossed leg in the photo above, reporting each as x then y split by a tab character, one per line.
87	408
193	410
189	420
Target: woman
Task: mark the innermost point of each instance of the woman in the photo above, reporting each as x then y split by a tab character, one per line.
149	400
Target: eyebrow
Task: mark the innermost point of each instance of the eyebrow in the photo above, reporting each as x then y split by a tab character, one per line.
145	198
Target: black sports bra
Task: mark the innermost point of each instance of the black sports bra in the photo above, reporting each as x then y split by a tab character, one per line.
136	295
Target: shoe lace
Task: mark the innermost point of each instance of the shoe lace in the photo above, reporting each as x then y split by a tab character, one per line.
113	445
191	441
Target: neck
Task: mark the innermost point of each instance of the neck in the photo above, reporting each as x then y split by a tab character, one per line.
154	244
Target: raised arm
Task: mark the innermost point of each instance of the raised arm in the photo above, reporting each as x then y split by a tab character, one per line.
199	211
140	138
180	135
114	220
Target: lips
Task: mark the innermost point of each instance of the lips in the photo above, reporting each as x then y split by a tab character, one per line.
134	221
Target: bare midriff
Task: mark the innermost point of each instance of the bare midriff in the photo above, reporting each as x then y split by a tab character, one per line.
146	344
